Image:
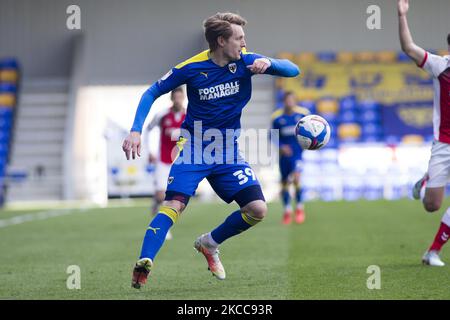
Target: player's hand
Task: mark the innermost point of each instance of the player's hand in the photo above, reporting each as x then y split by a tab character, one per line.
286	151
132	144
151	158
260	65
403	7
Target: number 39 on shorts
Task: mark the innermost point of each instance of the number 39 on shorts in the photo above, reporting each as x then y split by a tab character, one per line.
243	175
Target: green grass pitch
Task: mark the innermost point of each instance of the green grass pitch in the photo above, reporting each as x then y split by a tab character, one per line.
325	258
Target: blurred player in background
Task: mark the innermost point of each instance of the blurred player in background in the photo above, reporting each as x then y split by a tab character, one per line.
219	86
169	122
290	164
431	188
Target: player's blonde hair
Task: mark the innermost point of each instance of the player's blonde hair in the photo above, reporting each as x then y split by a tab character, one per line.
219	25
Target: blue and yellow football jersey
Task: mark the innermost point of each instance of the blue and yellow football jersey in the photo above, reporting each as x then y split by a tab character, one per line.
216	95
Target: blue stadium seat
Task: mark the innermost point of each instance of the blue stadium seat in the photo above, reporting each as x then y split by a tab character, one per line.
369	116
326	56
429	138
371	128
3	160
308	104
6	116
333	143
391	139
18	176
5	135
9	63
403	57
8	87
332	118
348	116
5	111
114	170
4	149
369	105
348	103
5	123
279	94
279	104
370	138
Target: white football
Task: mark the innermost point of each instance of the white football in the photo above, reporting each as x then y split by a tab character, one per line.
313	132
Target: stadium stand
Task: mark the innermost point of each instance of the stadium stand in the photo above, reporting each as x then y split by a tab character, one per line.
9	83
365	96
35	167
380	102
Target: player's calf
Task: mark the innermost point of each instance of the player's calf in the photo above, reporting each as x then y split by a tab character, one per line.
431	257
175	204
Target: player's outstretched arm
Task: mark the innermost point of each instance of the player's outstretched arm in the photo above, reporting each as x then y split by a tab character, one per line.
143	108
276	67
415	52
172	79
283	68
132	143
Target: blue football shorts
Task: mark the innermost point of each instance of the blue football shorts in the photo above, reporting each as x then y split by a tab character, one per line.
289	165
234	181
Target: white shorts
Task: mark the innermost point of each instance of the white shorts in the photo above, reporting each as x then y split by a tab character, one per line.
161	175
439	165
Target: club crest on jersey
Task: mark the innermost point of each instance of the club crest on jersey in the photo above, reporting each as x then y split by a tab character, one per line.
170	180
232	67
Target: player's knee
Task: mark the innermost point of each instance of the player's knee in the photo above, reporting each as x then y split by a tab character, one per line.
177	205
431	205
284	185
296	180
159	196
257	209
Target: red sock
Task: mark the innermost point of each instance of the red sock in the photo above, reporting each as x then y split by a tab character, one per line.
441	237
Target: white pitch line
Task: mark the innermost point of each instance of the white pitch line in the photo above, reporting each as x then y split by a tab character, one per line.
42	215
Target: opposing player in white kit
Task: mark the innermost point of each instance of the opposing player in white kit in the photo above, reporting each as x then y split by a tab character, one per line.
168	121
431	188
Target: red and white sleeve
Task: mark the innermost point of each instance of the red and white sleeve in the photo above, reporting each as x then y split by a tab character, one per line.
434	64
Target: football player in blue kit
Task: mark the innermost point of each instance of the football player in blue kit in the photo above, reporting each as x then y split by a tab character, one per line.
290	164
218	83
